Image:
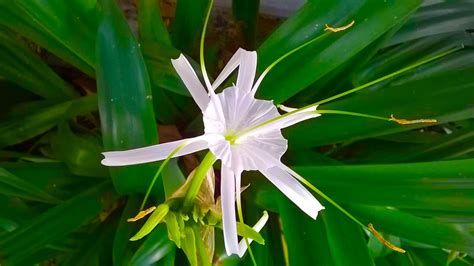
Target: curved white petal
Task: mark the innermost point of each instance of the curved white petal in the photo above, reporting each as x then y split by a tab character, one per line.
247	68
247	63
228	211
257	227
296	192
156	152
286	121
192	82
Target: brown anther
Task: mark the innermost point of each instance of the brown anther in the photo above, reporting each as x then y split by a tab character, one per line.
383	241
329	28
141	214
409	122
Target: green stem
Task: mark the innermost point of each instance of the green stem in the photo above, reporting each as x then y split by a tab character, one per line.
198	178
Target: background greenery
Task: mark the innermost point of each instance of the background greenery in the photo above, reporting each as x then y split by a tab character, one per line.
58	205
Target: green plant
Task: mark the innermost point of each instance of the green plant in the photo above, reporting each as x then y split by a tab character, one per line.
413	182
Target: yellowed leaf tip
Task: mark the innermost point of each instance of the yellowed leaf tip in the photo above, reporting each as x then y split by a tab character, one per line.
409	122
330	28
383	241
141	214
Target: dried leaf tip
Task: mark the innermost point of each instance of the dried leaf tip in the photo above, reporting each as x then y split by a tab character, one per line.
383	241
332	29
142	214
409	122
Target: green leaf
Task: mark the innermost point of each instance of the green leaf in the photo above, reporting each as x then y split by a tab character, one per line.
188	24
125	101
123	250
151	25
154	248
54	224
67	29
346	240
21	66
436	18
189	246
423	230
372	20
301	232
440	96
80	152
38	119
439	185
155	218
12	185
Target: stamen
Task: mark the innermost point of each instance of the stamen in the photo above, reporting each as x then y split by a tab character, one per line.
201	49
383	241
329	28
142	214
409	122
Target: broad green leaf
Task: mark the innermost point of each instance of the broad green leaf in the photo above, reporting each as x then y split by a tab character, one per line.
423	230
188	24
403	55
125	101
154	248
440	185
189	246
441	96
414	146
53	178
17	187
300	232
95	248
151	25
80	152
123	248
38	119
346	239
54	224
437	18
67	29
372	20
22	67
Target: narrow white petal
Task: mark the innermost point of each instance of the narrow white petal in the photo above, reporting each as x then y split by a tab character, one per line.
228	211
190	79
296	192
257	227
156	152
247	63
247	68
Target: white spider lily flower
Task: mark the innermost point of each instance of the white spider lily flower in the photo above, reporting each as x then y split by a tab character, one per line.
241	131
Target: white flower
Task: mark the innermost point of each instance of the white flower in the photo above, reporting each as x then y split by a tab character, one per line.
241	131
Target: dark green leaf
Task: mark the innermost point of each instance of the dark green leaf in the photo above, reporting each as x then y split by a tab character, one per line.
125	101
